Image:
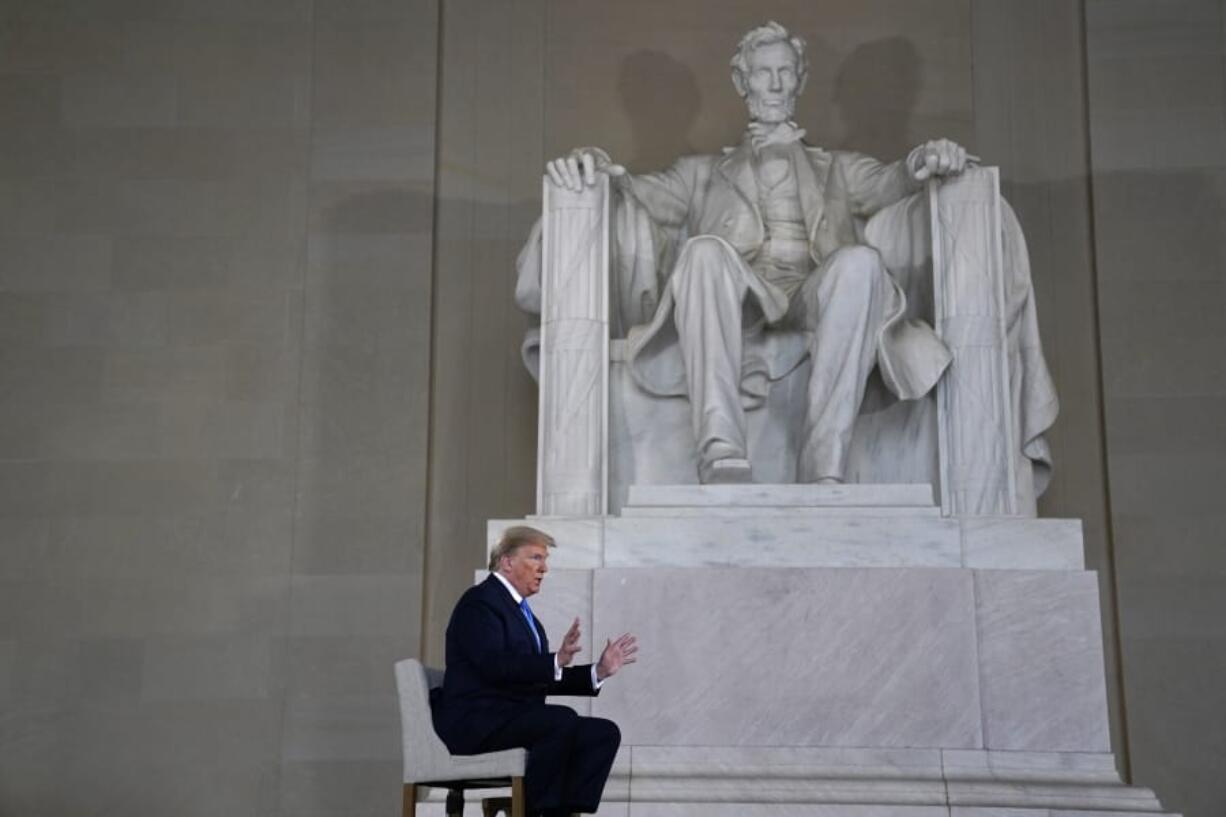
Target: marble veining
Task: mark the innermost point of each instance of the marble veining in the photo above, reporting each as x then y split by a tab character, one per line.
781	541
855	657
1019	543
1041	661
825	536
916	494
682	511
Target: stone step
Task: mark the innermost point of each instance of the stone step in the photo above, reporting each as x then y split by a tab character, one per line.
981	783
777	537
750	540
731	781
915	495
738	511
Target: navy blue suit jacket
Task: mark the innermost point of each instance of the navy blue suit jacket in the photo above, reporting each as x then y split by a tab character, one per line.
494	670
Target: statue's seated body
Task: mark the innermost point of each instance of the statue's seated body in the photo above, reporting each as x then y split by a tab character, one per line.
893	441
774	305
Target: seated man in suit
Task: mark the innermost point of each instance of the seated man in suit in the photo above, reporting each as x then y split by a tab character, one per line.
499	670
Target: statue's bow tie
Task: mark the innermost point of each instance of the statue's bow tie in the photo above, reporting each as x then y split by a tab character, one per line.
784	133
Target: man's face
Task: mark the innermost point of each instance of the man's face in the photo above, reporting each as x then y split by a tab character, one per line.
525	567
772	83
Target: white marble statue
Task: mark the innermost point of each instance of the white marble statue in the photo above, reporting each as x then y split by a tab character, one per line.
716	253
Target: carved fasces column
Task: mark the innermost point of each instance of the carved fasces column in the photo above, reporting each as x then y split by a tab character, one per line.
974	410
572	440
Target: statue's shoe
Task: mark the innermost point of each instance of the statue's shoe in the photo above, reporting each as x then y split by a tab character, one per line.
730	470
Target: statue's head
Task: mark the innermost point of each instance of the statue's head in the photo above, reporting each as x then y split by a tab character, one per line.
769	70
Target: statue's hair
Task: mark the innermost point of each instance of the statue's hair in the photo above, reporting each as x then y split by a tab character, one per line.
515	537
770	33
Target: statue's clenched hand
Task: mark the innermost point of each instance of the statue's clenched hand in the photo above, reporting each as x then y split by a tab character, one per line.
579	169
939	157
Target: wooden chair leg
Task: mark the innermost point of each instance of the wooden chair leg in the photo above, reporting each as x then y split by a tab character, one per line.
492	805
410	800
517	797
455	803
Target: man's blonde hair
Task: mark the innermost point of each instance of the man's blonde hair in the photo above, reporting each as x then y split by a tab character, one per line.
515	537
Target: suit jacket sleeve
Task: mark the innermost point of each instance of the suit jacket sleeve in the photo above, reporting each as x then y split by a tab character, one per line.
666	194
575	681
872	185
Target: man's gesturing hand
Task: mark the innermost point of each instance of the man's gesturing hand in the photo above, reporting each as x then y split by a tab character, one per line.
570	645
617	653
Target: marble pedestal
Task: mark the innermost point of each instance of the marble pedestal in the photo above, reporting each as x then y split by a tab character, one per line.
841	651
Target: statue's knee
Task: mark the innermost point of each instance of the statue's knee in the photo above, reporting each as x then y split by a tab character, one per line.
705	250
855	258
854	271
704	259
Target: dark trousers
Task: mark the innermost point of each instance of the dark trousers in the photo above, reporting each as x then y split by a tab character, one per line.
569	757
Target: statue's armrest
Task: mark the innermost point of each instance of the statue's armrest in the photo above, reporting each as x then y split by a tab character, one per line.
572	438
974	404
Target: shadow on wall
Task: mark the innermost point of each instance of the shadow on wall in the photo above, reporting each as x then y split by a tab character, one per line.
661	99
875	92
1160	255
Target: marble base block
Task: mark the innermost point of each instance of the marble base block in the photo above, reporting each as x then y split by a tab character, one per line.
1040	657
807	657
845	657
752	540
859	659
795	496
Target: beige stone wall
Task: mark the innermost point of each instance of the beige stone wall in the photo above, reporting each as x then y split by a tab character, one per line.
215	244
1157	94
483	403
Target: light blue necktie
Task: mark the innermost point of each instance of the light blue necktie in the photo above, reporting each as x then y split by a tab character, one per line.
527	611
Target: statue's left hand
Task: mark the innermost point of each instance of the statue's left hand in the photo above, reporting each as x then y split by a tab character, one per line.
939	157
579	169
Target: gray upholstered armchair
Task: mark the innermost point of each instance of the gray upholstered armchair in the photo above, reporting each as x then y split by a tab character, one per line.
428	763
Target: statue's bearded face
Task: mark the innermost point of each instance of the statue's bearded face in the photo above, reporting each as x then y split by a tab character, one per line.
772	83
